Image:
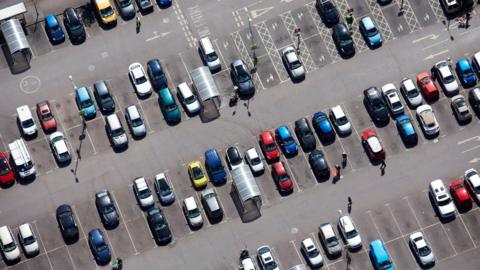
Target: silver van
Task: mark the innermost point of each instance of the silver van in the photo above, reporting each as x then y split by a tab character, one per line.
116	133
22	160
209	55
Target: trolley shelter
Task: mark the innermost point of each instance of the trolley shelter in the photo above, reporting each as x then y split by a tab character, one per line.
246	194
207	92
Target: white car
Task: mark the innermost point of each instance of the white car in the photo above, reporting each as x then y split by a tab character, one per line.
28	240
444	75
135	121
266	259
340	120
472	181
59	147
441	199
26	121
348	230
192	213
421	249
140	79
188	99
427	120
254	161
294	66
411	93
8	246
393	100
311	253
143	193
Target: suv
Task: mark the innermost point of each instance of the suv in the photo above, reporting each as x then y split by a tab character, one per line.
266	259
375	105
106	209
211	205
142	193
163	189
66	222
441	199
329	240
349	232
327	11
444	75
242	78
103	97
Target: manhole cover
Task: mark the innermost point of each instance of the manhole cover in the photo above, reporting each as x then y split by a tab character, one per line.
294	230
91	68
30	84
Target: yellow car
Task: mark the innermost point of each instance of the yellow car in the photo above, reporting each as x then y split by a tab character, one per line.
106	11
197	174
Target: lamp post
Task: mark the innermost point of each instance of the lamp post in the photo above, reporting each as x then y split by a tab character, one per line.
253	46
73	83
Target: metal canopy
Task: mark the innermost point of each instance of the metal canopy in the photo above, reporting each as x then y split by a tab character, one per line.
13	33
204	83
12	11
245	183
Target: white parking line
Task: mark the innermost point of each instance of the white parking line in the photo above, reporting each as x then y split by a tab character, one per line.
124	223
221	205
375	224
276	257
41	242
79	223
290	172
466	229
297	251
144	115
320	249
413	212
71	259
91	141
185	66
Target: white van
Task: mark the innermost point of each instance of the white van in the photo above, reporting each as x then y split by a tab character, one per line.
25	119
116	132
22	160
187	98
209	55
10	250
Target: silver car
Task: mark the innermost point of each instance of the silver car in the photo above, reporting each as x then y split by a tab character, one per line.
460	109
421	249
135	121
292	62
126	9
163	189
411	93
329	240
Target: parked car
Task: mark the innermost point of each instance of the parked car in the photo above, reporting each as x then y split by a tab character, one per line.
214	167
384	2
234	157
375	105
444	75
406	129
476	63
156	74
472	182
372	145
474	99
460	109
105	11
104	99
188	99
66	222
197	175
45	115
441	199
211	205
318	163
379	256
269	147
115	132
99	246
106	209
242	78
142	193
28	240
7	176
54	29
322	127
159	226
9	247
85	103
126	9
292	62
145	5
135	121
253	159
392	99
311	253
266	259
164	3
142	85
460	195
450	6
327	11
329	240
282	178
163	189
421	249
343	40
305	135
192	213
411	93
349	232
427	120
427	86
168	106
370	32
285	140
208	54
26	122
59	147
340	120
465	73
74	26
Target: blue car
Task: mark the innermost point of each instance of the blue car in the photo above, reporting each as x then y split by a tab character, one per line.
164	3
285	140
370	32
156	74
379	255
322	126
406	129
99	247
214	167
53	29
85	103
465	73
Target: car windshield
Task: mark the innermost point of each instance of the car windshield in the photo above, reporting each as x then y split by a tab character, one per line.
124	3
28	123
332	241
193	213
158	76
29	240
443	202
140	80
328	6
271	265
449	79
351	233
101	247
4	167
164	188
9	247
212	57
197	173
64	155
108	209
255	161
342	120
117	132
137	122
288	141
86	103
271	147
190	99
477	189
424	251
313	252
56	29
144	193
413	93
46	115
345	40
425	80
377	105
171	107
106	12
282	178
468	72
295	64
160	226
372	31
27	166
397	105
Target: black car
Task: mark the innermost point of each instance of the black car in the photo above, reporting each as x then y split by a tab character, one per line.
234	157
319	164
66	222
145	5
242	78
384	2
375	105
343	40
74	26
106	209
305	135
103	97
327	11
159	226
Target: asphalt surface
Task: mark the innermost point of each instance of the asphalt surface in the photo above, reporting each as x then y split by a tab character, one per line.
388	207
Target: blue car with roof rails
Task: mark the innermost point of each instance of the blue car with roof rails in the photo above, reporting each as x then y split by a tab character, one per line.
370	32
465	72
85	103
53	29
99	247
286	141
322	126
379	255
406	129
214	166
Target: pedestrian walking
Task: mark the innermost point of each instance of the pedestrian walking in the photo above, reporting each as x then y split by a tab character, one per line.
383	166
344	159
138	23
349	206
337	167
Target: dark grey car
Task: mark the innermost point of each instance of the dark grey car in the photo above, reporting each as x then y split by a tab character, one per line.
103	97
106	209
126	9
242	78
145	5
343	40
74	26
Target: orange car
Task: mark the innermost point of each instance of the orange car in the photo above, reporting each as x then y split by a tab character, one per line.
427	86
46	117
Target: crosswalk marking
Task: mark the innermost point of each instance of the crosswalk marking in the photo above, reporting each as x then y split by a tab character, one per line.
437	9
408	14
272	50
240	45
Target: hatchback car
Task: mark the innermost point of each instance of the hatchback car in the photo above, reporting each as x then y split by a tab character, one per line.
460	195
192	213
188	99
286	141
322	127
444	75
7	176
142	85
156	74
282	178
54	29
421	249
441	199
241	77
266	259
305	135
268	145
74	26
460	109
372	145
85	103
472	182
234	157
214	166
343	40
329	240
163	189
211	205
327	11
393	100
159	226
411	93
311	253
340	120
253	159
465	73
292	62
381	260
145	5
135	121
375	104
370	32
427	120
126	9
47	120
103	97
106	209
318	163
66	222
59	147
406	129
349	232
142	193
28	240
427	86
99	246
169	106
197	174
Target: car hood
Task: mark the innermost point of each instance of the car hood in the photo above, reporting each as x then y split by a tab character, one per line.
89	111
316	260
298	72
147	201
104	255
376	39
427	259
173	115
331	15
291	148
49	124
214	64
108	105
32	248
139	130
30	130
196	221
346	128
416	101
246	86
447	209
111	218
144	88
120	139
13	254
193	107
355	242
167	198
286	184
348	49
163	234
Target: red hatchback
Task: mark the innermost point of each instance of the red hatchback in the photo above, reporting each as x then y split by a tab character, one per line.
460	195
6	173
427	86
269	147
281	178
372	145
46	117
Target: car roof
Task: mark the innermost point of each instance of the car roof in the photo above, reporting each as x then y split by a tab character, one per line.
308	242
190	203
284	132
338	111
476	56
463	64
341	28
166	95
185	90
374	144
379	250
133	112
233	151
51	20
408	84
101	87
327	230
96	236
445	71
61	146
136	69
237	62
155	65
438	187
266	137
25	230
368	23
279	168
141	183
252	153
372	92
347	223
82	93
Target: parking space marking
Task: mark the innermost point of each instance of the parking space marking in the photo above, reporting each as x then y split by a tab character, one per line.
71	259
320	249
376	227
413	212
437	9
449	240
291	26
244	55
343	6
302	259
79	223
408	14
186	68
126	227
468	232
91	141
41	242
380	19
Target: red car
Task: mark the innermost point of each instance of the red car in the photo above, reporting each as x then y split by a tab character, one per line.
281	178
427	86
6	173
460	195
46	117
269	147
372	145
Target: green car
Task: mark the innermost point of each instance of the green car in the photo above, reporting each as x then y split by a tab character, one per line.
168	105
